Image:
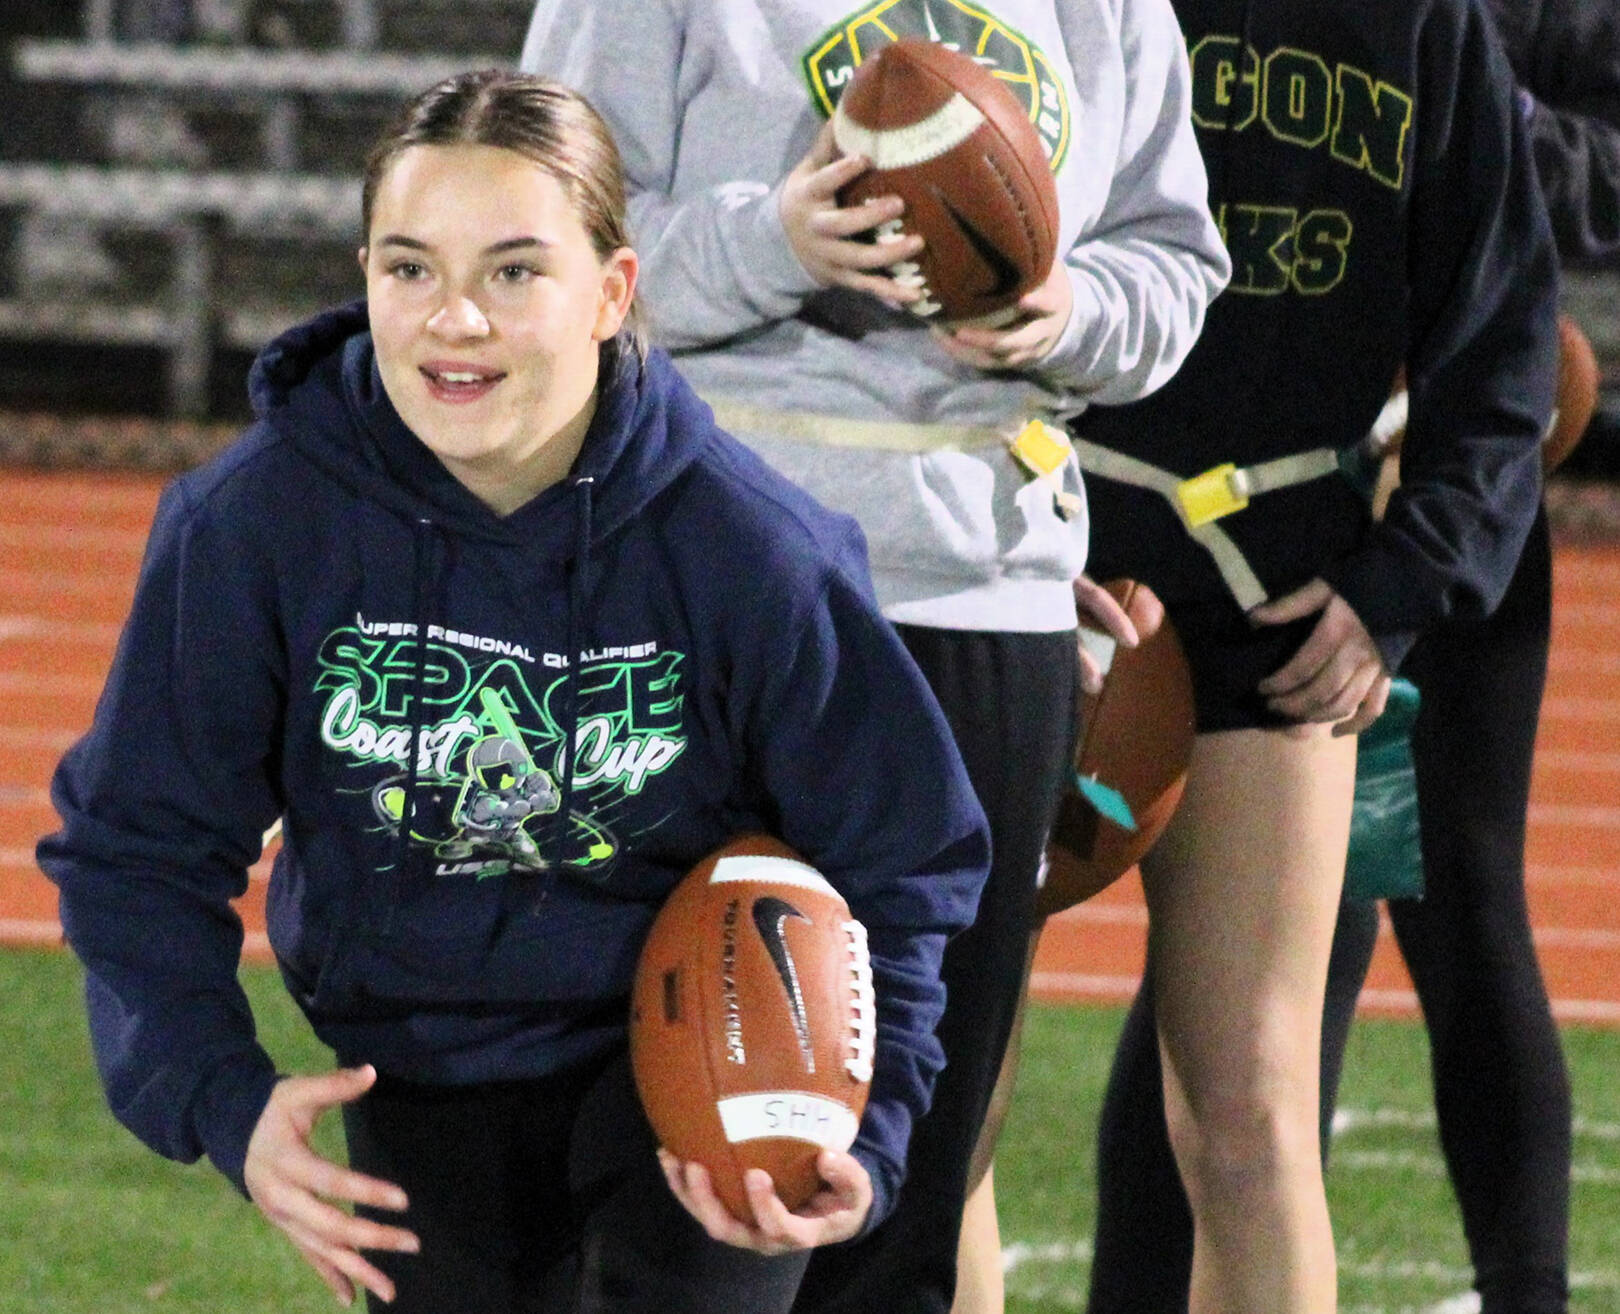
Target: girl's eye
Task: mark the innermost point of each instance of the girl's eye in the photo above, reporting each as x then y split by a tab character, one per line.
408	270
516	273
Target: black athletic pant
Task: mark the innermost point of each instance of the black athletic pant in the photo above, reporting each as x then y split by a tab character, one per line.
1011	700
544	1197
1501	1088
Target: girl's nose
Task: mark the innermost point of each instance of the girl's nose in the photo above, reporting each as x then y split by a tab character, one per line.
458	317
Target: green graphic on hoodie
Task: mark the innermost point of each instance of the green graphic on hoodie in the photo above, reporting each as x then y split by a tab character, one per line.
486	797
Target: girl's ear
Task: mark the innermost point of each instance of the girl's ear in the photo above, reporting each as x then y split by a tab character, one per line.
619	273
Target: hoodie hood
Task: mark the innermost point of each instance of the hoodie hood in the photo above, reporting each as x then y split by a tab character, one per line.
318	386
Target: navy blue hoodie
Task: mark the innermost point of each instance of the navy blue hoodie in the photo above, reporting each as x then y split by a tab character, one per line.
325	594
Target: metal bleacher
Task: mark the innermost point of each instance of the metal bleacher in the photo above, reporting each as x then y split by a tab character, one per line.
278	85
255	223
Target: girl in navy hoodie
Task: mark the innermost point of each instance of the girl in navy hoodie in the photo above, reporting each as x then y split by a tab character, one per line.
509	636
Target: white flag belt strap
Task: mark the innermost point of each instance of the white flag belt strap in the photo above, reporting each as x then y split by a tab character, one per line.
1286	471
1206	498
839	431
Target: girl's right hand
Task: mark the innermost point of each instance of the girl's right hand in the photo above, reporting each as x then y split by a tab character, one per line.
293	1186
826	238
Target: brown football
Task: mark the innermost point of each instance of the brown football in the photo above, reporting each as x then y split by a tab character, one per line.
1578	383
1135	737
752	1022
955	145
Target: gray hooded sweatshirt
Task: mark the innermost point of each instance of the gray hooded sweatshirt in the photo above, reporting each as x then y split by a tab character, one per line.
712	102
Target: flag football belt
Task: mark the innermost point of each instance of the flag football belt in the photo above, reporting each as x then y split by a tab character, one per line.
1040	445
838	431
1205	498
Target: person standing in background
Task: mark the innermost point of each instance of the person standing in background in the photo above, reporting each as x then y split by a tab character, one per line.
1500	1083
1453	277
793	328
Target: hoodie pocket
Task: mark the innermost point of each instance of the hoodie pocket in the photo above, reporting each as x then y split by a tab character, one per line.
512	939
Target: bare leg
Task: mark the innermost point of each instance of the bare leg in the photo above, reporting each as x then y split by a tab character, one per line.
979	1285
1243	889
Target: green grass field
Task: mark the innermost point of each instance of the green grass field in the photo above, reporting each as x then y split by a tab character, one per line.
92	1223
1398	1233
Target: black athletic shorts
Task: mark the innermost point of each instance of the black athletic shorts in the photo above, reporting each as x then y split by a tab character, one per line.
1136	535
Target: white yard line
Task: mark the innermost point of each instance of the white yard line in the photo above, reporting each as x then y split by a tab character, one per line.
1546	873
1572	760
20	930
1085	985
46	738
1352	1121
1602	573
1579	659
1432	1165
1605	1012
1569	937
1021	1256
43	684
1599	615
1596	816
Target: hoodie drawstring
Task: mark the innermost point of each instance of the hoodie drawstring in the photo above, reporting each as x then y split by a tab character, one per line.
578	583
425	563
422	543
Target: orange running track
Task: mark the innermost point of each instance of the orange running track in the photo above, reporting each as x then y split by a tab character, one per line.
70	545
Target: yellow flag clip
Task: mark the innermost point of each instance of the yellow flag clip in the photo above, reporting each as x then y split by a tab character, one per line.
1045	451
1211	495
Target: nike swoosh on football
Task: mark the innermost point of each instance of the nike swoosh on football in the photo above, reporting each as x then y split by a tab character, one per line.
770	915
1006	273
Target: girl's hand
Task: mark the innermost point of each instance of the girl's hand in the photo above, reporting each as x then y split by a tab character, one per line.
835	1213
826	238
294	1187
1097	605
1028	340
1337	675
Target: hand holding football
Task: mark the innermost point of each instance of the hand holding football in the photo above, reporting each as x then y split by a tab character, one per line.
954	144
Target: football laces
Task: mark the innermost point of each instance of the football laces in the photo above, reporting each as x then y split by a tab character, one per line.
863	1005
908	273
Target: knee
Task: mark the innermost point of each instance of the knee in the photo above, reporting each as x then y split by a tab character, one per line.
1244	1145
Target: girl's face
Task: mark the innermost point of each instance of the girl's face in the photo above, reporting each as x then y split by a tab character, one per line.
487	305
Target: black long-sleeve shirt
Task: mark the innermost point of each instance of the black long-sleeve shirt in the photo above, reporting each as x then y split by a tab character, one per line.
1373	181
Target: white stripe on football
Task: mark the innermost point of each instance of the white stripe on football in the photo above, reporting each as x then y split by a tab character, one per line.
777	871
916	143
